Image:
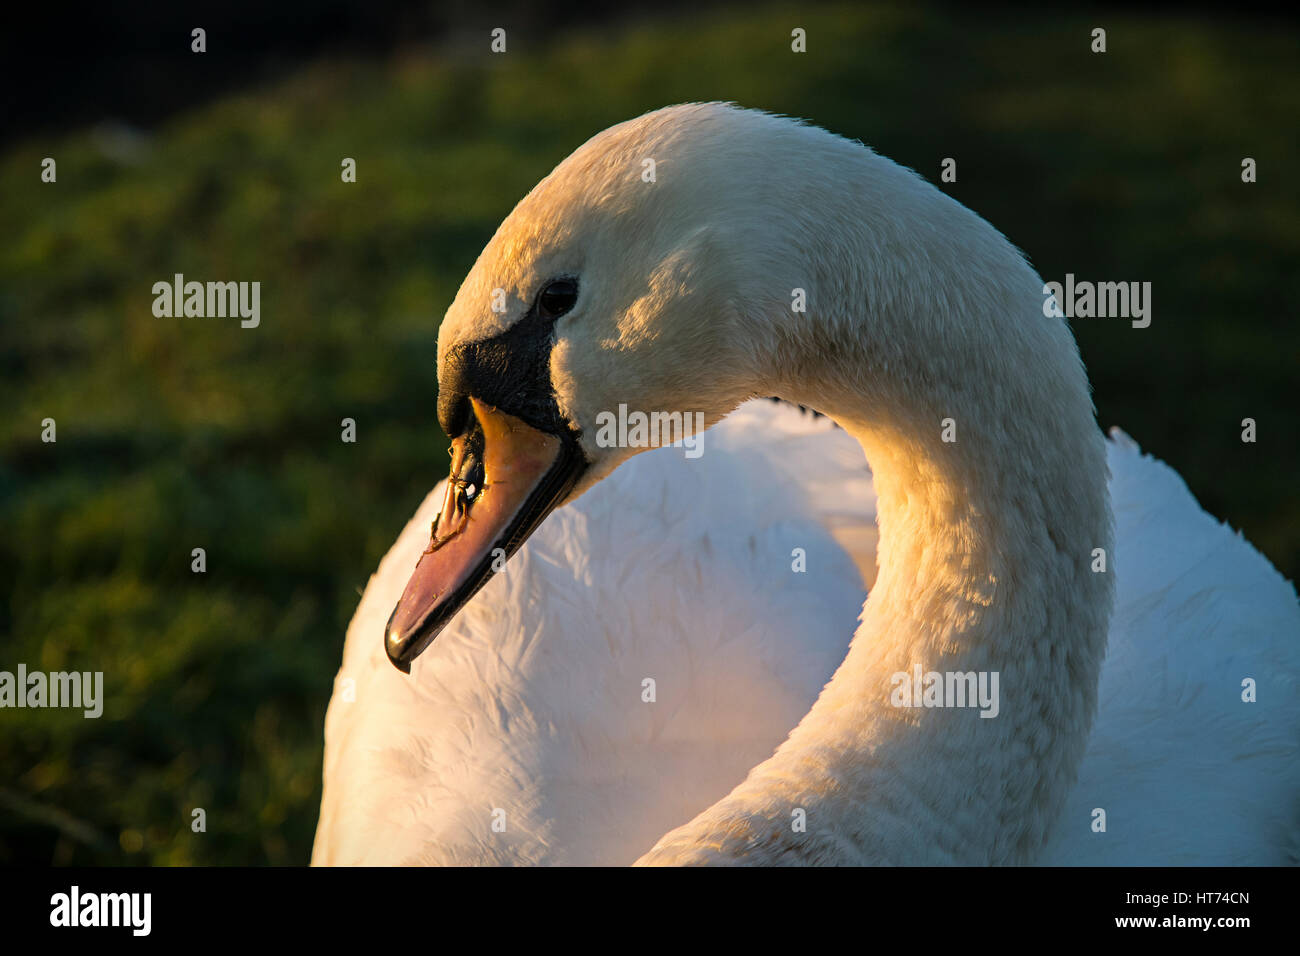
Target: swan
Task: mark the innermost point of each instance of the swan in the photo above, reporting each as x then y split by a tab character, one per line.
678	667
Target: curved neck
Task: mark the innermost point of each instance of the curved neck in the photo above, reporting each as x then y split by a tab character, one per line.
973	411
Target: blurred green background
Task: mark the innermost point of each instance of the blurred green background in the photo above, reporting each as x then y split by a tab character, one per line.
183	433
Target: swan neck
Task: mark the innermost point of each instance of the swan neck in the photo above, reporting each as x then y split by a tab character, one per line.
974	413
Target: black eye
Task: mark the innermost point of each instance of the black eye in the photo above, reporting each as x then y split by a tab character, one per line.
557	298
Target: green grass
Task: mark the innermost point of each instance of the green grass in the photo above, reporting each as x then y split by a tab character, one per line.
183	433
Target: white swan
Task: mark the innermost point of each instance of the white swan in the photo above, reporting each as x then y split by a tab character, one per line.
523	734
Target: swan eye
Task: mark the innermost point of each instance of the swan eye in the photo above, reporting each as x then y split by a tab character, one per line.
557	298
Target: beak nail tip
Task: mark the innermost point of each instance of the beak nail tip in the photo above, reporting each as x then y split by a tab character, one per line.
396	649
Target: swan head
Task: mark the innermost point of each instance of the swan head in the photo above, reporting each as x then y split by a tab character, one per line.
612	284
660	270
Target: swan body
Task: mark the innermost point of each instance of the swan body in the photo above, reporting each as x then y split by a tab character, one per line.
414	767
527	733
1189	774
535	703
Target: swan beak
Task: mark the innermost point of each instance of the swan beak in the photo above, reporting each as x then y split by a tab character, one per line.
506	476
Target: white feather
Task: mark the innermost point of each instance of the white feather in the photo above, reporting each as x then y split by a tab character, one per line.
1186	771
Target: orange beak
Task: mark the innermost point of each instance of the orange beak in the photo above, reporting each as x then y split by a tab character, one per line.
506	477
